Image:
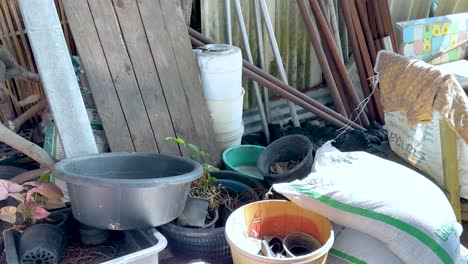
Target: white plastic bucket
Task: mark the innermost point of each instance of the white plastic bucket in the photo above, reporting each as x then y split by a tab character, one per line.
229	139
220	71
226	114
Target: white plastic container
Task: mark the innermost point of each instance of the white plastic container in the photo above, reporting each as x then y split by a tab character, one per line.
230	139
147	255
220	71
226	114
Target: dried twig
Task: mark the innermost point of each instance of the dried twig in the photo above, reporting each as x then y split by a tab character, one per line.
9	68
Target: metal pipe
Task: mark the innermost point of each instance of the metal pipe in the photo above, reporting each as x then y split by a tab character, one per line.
200	40
261	57
369	69
351	92
367	29
245	40
357	57
315	39
227	8
277	56
300	95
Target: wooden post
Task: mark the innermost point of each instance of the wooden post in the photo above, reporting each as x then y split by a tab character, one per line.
448	141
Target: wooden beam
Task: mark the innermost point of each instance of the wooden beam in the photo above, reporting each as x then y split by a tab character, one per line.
448	140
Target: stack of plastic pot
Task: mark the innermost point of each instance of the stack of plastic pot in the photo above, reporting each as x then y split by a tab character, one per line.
221	76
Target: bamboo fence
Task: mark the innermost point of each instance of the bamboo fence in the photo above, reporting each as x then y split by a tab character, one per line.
13	36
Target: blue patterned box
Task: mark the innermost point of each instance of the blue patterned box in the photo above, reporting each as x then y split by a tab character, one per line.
422	38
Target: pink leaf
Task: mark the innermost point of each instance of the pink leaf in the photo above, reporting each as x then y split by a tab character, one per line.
30	193
39	213
7	187
49	190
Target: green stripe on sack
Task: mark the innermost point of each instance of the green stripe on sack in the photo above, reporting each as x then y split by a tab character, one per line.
349	258
411	230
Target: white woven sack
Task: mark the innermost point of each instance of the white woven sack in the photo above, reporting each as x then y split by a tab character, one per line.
420	146
405	211
355	247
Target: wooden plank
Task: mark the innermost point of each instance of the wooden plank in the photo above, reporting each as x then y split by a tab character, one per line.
123	75
165	61
188	71
146	74
448	141
97	71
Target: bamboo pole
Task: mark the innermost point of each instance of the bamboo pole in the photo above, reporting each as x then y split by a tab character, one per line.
261	55
245	40
227	8
277	56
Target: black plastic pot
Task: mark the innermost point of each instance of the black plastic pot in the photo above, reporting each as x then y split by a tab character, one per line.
41	243
292	147
207	244
236	188
239	177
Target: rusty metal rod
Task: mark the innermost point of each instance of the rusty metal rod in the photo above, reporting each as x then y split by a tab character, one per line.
286	90
357	56
378	20
300	95
315	39
387	23
368	66
332	47
275	88
361	8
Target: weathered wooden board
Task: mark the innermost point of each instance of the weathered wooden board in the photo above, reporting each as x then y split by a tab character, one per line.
141	51
146	74
189	74
123	75
99	77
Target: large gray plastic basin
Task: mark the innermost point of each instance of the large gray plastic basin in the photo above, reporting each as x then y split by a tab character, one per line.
127	190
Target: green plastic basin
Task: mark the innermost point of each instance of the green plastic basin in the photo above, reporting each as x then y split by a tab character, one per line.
243	159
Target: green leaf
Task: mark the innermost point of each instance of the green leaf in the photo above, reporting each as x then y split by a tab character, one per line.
46	177
194	148
175	139
204	154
